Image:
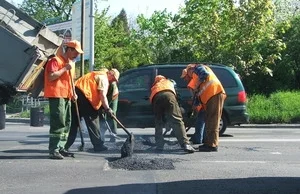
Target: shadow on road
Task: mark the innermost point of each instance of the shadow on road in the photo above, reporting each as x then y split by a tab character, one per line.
274	185
26	151
25	154
226	135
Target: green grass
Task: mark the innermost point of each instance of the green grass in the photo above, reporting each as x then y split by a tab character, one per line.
280	107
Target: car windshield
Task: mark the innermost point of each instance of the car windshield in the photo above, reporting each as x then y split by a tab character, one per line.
139	80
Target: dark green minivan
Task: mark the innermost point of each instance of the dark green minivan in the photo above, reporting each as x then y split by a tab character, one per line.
135	110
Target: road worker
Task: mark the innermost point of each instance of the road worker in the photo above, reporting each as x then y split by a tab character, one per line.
197	110
91	90
210	94
166	109
59	71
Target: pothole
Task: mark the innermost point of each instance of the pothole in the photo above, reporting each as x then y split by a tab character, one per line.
137	163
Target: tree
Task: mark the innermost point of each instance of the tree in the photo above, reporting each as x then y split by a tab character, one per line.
114	45
157	36
241	36
289	31
43	10
286	9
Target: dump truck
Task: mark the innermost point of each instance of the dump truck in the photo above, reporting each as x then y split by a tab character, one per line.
25	45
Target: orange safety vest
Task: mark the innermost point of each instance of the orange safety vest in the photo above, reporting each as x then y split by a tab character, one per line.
88	85
207	89
61	87
161	85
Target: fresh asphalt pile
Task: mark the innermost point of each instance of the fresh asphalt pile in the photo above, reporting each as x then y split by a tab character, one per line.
144	144
142	159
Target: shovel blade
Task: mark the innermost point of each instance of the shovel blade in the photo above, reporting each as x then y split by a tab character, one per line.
127	148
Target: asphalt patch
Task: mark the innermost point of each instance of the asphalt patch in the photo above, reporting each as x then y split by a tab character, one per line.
137	163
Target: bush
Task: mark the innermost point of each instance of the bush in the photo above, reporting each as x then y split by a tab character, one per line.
279	107
25	114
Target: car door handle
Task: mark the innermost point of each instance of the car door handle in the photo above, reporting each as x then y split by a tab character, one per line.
146	98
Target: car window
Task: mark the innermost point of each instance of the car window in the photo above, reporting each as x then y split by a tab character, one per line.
225	77
173	73
138	80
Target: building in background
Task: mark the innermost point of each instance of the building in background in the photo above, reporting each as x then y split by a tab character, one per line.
62	29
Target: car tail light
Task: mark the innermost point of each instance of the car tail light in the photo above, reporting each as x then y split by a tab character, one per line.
242	97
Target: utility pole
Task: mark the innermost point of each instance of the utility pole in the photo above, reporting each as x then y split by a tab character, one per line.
82	36
92	34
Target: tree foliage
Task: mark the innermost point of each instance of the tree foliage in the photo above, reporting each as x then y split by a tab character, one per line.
258	38
44	10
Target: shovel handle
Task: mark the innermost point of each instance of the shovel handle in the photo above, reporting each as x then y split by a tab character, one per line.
117	120
77	110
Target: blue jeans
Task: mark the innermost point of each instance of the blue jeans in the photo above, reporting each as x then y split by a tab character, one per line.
199	134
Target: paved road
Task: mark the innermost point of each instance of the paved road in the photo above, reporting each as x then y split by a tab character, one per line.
250	160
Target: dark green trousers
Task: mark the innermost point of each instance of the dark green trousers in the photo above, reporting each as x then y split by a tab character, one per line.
60	123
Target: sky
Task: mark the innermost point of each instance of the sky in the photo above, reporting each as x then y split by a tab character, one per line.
134	7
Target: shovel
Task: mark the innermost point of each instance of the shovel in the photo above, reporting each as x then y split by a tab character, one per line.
109	129
81	147
127	148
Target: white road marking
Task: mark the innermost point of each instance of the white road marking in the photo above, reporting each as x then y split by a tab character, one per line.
228	161
260	140
276	153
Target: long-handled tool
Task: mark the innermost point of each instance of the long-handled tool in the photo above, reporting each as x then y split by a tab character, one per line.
80	148
127	148
109	129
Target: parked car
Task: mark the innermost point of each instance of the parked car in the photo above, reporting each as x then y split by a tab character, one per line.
135	110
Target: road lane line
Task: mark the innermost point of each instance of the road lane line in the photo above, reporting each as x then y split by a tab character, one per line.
275	153
236	161
259	140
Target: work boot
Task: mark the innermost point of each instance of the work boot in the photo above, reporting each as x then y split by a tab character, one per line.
206	148
188	148
66	153
56	156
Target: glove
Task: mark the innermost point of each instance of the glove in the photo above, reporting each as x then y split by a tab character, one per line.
109	112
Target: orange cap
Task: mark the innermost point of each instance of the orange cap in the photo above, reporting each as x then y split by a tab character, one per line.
76	45
158	78
184	73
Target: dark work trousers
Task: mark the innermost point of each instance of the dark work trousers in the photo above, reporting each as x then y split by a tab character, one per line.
91	117
166	109
213	115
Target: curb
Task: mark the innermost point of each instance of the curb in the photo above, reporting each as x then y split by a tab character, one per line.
24	120
279	125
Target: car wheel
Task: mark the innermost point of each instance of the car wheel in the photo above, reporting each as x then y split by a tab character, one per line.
223	124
